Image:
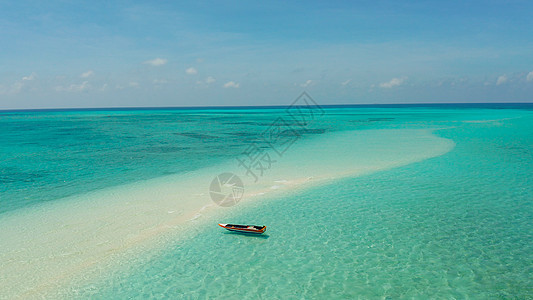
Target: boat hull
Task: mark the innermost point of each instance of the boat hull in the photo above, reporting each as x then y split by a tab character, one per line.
251	229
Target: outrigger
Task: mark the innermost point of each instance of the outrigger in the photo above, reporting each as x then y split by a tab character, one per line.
244	228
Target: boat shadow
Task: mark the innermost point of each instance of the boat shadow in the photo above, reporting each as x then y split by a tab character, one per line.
252	235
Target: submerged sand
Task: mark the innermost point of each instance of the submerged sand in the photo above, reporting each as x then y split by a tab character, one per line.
46	248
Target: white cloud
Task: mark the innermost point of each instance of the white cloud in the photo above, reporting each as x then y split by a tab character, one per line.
191	71
156	62
74	87
210	79
529	76
16	87
346	82
501	80
160	81
133	84
307	83
103	88
29	78
231	84
87	74
392	83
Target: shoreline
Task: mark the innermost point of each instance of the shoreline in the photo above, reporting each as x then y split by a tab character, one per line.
102	228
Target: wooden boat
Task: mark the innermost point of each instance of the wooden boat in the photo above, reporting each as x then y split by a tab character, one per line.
244	228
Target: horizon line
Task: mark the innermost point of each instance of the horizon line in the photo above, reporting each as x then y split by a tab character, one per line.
222	107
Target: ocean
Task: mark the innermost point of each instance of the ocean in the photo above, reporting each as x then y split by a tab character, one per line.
370	202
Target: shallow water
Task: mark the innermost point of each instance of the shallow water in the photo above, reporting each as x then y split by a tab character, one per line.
451	226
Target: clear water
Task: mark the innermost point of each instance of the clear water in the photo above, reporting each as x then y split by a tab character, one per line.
47	156
454	226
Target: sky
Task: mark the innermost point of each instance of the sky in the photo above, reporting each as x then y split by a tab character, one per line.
66	54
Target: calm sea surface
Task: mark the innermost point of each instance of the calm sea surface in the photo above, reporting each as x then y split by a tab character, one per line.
458	225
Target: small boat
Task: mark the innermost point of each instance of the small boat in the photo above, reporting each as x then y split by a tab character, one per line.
244	228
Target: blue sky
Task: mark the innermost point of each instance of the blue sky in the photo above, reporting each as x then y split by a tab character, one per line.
129	53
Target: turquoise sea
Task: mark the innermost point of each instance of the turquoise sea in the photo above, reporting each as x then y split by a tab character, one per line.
454	221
